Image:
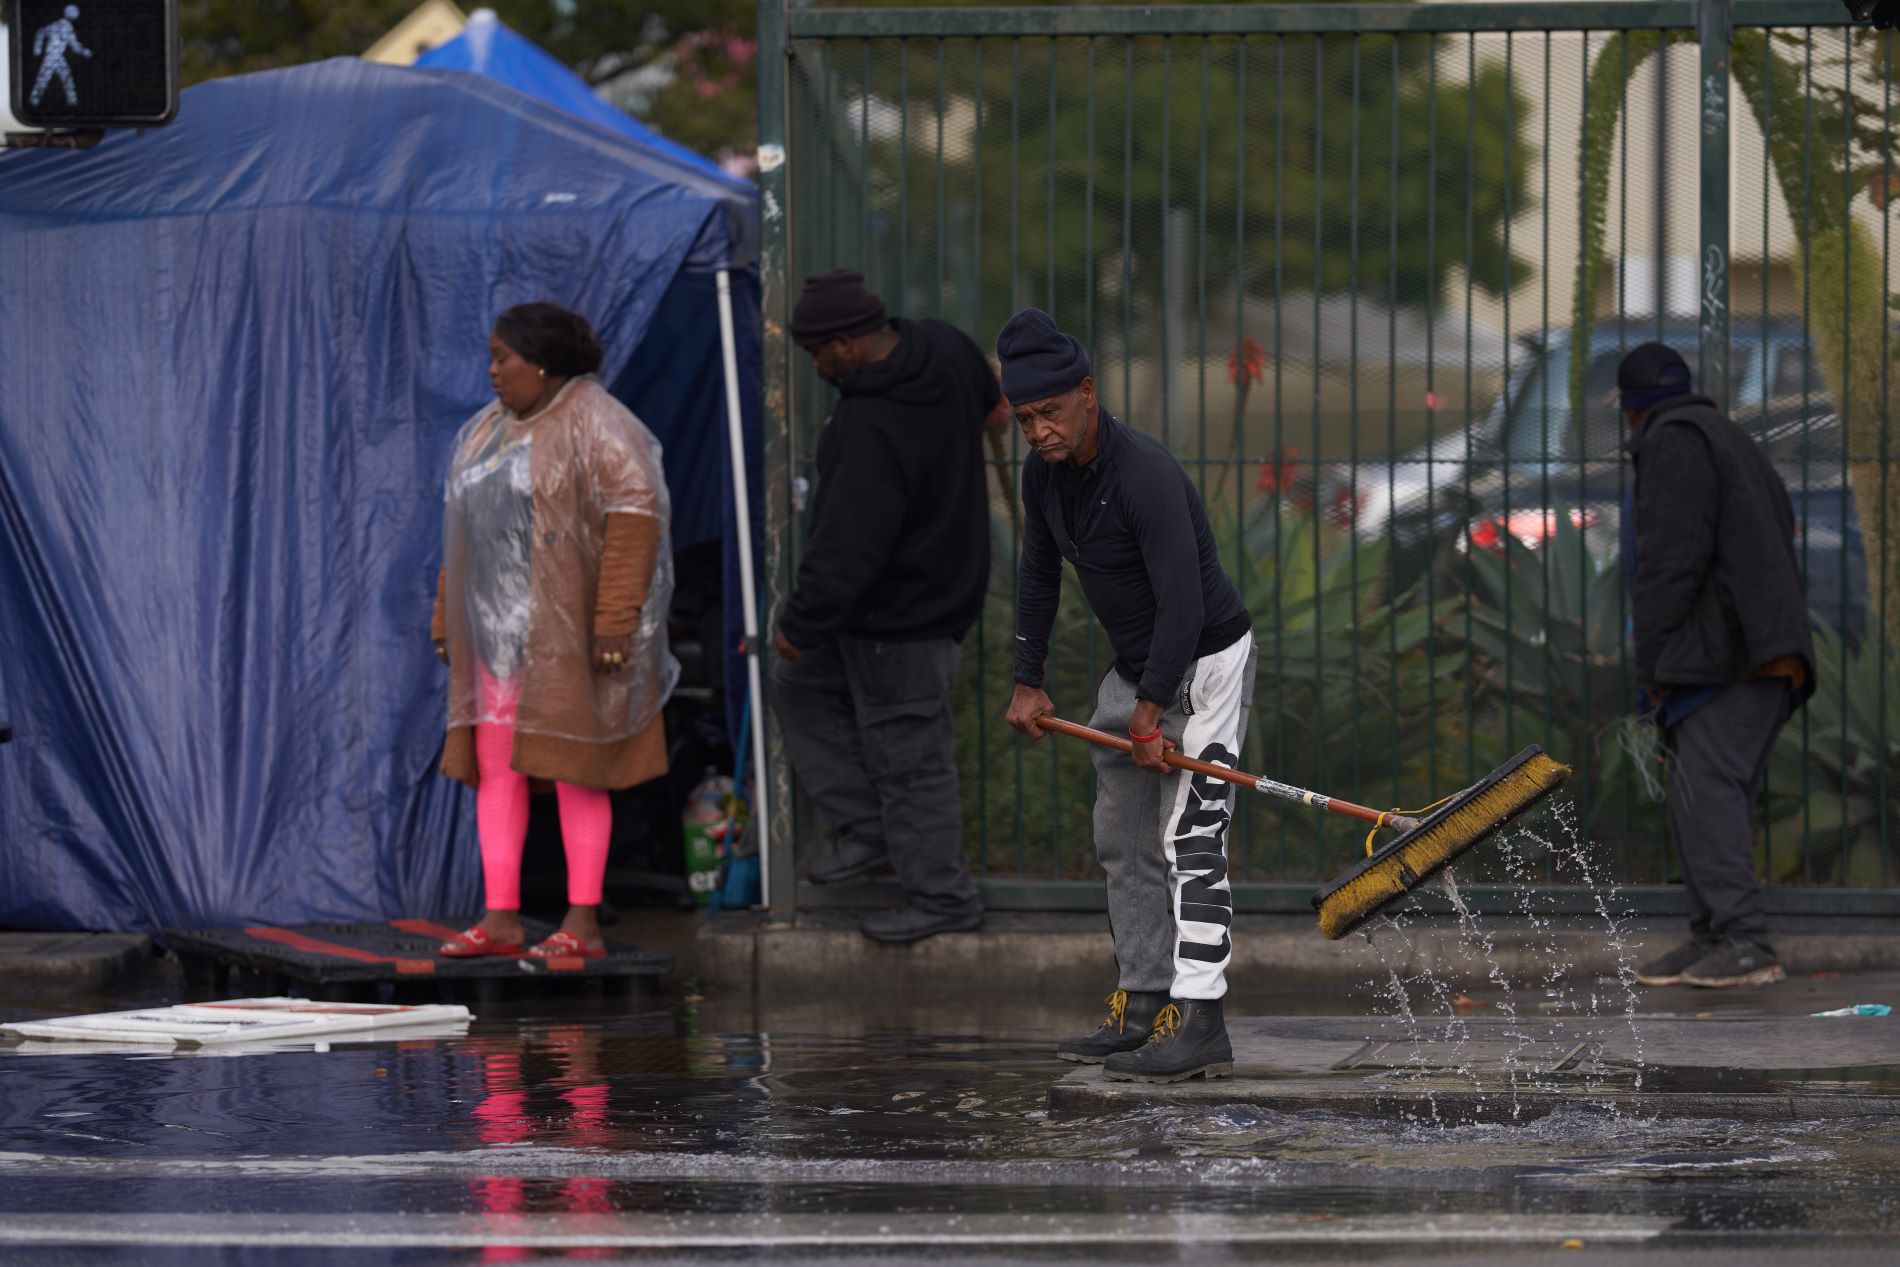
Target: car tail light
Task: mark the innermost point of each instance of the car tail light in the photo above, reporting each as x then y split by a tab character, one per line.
1531	527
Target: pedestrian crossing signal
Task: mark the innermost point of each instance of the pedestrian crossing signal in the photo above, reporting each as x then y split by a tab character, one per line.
94	63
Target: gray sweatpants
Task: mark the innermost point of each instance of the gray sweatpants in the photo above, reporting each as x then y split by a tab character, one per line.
1719	757
1162	839
869	731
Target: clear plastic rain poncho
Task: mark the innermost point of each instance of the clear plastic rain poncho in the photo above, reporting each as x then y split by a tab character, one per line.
523	537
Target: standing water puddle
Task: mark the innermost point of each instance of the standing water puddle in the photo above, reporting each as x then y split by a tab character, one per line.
580	1113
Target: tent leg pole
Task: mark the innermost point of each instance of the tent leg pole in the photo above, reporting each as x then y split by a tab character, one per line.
748	586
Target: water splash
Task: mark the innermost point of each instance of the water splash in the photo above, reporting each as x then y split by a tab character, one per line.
1395	988
1542	999
1456	1031
1565	996
1474	935
1604	895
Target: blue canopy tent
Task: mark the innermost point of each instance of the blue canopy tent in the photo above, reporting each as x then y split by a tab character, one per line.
487	46
237	351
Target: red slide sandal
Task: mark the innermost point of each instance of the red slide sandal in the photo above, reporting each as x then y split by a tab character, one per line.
476	943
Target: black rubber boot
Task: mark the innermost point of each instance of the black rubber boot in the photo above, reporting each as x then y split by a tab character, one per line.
1189	1040
1129	1019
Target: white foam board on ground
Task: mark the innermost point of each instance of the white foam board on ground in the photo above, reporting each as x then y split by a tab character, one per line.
55	1048
237	1021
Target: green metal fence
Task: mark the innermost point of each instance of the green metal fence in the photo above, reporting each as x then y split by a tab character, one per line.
1368	270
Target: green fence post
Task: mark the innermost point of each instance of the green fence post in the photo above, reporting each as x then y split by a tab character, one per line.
774	208
1712	34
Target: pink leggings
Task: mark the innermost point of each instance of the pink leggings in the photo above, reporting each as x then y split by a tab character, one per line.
501	814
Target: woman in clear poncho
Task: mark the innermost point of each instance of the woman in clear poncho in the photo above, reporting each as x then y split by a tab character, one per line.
551	615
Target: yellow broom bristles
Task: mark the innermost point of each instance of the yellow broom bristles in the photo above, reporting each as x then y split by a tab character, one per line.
1464	826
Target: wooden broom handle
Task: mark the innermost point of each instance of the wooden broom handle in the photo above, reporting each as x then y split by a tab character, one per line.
1396	821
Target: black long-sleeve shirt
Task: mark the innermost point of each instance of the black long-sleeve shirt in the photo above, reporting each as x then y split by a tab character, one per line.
1134	529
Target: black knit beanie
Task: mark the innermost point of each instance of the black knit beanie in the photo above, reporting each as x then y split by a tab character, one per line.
1650	374
1038	360
836	305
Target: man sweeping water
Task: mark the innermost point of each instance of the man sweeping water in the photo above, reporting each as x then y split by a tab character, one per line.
1119	508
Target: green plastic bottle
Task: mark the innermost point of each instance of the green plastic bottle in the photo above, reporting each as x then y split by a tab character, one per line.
701	824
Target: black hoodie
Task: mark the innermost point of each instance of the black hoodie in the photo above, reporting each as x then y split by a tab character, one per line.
899	547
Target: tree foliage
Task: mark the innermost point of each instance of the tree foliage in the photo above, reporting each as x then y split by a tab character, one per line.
1333	153
687	67
1116	168
1829	146
232	37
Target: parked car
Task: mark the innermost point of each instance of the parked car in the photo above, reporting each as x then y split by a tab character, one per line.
1528	459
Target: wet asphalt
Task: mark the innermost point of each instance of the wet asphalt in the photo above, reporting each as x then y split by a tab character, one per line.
669	1127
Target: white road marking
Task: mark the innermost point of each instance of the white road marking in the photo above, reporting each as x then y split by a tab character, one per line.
651	1231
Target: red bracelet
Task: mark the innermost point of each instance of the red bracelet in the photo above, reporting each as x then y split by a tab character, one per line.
1145	738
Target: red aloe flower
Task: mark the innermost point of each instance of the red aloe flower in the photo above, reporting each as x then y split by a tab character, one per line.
1246	364
1346	507
1277	473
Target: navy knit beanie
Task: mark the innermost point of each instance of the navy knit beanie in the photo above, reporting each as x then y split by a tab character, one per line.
836	305
1649	375
1038	360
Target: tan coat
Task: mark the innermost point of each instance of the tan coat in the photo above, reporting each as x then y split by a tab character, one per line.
627	546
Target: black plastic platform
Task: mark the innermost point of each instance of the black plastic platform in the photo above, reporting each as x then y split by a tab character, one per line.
401	951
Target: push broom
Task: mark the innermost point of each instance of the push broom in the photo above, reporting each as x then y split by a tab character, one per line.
1425	845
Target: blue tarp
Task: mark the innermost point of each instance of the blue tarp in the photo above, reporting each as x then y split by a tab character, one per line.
489	47
236	350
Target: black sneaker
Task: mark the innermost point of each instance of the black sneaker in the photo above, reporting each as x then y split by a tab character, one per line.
1735	963
1189	1040
1130	1016
851	860
1667	969
912	923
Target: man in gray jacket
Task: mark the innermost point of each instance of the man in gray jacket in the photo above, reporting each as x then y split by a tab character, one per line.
1723	650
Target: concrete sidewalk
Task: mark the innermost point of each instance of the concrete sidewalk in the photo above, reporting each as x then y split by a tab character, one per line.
1497	1069
80	961
821	952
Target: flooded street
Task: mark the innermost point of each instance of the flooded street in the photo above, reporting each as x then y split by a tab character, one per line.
609	1127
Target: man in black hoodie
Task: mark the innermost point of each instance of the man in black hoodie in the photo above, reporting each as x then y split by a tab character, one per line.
896	566
1724	653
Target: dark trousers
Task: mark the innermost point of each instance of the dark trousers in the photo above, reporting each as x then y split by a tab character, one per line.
1719	755
869	731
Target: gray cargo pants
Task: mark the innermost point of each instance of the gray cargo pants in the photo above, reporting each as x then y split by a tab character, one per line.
1719	755
1162	839
869	731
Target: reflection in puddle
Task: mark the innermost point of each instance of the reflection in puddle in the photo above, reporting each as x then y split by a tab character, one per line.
590	1113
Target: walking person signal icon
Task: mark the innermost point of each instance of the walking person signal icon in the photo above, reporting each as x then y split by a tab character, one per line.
93	63
51	43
